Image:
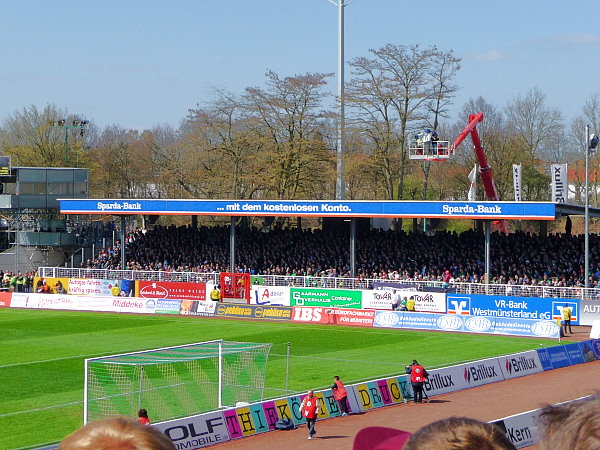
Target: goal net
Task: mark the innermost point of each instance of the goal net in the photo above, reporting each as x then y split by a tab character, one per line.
175	382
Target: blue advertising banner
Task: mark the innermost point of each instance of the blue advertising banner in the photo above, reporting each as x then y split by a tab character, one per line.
534	308
466	324
332	208
554	357
574	353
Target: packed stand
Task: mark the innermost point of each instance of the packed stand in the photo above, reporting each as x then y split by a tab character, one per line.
516	259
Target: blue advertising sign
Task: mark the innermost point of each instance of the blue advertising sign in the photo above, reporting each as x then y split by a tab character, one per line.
321	208
466	324
554	357
499	306
574	353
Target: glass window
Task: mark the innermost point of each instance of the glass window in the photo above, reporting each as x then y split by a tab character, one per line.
53	188
57	175
80	189
25	188
39	188
29	175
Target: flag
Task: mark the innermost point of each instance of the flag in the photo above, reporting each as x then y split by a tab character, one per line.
559	183
517	181
473	189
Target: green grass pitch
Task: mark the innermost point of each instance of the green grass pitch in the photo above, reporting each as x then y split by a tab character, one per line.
42	355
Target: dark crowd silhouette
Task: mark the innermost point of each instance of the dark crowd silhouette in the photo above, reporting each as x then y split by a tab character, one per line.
517	258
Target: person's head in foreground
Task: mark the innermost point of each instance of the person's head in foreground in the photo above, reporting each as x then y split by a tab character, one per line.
571	426
459	433
119	433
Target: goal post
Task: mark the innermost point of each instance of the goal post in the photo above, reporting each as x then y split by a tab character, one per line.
175	382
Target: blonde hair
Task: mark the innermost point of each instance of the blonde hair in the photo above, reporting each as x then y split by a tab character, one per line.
117	433
572	426
459	433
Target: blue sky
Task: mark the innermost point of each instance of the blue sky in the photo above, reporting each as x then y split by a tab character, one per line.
143	63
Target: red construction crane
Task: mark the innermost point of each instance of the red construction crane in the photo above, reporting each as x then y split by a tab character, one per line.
485	171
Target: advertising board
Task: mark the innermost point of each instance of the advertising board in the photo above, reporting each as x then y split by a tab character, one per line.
507	307
196	431
171	290
270	295
325	297
589	311
276	313
93	286
333	316
197	308
467	324
520	364
84	303
5	299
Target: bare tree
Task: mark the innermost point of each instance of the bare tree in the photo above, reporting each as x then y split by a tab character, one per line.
443	69
393	91
536	124
289	122
30	138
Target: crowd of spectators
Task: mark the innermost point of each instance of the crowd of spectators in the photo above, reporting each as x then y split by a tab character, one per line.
516	258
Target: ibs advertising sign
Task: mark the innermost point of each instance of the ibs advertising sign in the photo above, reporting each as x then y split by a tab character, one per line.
171	290
333	316
326	297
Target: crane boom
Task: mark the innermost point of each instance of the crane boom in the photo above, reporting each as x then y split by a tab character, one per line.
485	171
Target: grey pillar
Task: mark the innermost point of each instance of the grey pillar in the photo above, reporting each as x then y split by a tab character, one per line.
232	246
353	247
488	238
123	255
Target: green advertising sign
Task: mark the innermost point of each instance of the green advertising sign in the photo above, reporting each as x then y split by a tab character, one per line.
326	297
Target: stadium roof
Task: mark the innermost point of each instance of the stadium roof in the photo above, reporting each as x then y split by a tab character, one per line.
316	208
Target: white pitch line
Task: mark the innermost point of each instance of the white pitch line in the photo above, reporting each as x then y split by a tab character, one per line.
51	360
16	413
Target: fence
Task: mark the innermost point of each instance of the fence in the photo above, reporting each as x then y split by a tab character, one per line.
325	282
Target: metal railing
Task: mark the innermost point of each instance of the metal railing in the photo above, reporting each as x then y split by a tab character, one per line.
326	282
143	275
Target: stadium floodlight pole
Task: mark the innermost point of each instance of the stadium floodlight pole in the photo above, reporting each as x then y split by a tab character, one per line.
488	228
232	245
591	142
123	255
80	125
587	209
340	185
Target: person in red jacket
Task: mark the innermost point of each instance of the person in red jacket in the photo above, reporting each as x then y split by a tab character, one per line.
143	417
418	375
340	394
310	409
